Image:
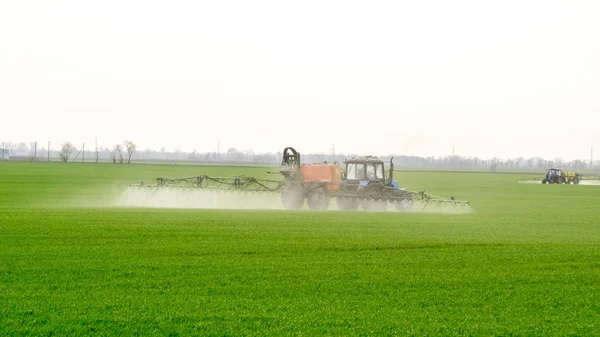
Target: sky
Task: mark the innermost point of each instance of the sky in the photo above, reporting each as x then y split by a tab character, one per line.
489	78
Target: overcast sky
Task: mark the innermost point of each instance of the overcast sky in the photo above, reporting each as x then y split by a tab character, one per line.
494	78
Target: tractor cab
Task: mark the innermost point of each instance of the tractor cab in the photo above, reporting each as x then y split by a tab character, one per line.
367	170
364	169
554	176
553	172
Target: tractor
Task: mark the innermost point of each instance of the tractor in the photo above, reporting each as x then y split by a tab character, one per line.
366	177
362	183
558	176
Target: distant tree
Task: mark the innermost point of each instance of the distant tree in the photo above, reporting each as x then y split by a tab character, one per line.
117	154
32	150
558	162
65	151
10	146
494	165
22	149
194	155
234	154
130	146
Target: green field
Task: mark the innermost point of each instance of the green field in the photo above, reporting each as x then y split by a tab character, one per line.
525	262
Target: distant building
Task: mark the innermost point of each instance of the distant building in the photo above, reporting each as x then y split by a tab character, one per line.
4	154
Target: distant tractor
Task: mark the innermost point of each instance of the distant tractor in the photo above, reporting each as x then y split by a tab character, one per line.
558	176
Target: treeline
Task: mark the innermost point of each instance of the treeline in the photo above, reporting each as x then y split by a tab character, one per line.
491	164
35	151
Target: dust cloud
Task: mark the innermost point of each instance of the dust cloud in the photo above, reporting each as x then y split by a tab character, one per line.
581	182
210	199
530	182
194	198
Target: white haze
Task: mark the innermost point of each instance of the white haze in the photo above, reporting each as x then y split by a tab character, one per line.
590	182
529	181
493	78
189	198
198	199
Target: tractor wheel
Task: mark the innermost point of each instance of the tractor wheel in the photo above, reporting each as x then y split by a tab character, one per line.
347	204
544	181
318	199
291	197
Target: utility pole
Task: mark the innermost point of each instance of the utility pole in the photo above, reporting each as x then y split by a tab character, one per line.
34	151
333	152
2	150
218	149
592	158
453	157
83	152
48	150
96	149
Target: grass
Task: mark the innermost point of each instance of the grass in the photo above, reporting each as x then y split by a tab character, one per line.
525	263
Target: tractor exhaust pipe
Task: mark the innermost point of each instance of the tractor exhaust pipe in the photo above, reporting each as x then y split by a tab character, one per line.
391	175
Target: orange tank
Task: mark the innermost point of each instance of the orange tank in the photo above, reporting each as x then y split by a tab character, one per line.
329	173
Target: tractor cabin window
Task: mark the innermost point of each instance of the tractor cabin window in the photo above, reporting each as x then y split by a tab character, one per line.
375	171
354	172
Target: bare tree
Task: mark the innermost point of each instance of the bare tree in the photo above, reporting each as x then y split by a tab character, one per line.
120	153
33	150
22	148
130	146
494	165
65	151
117	153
